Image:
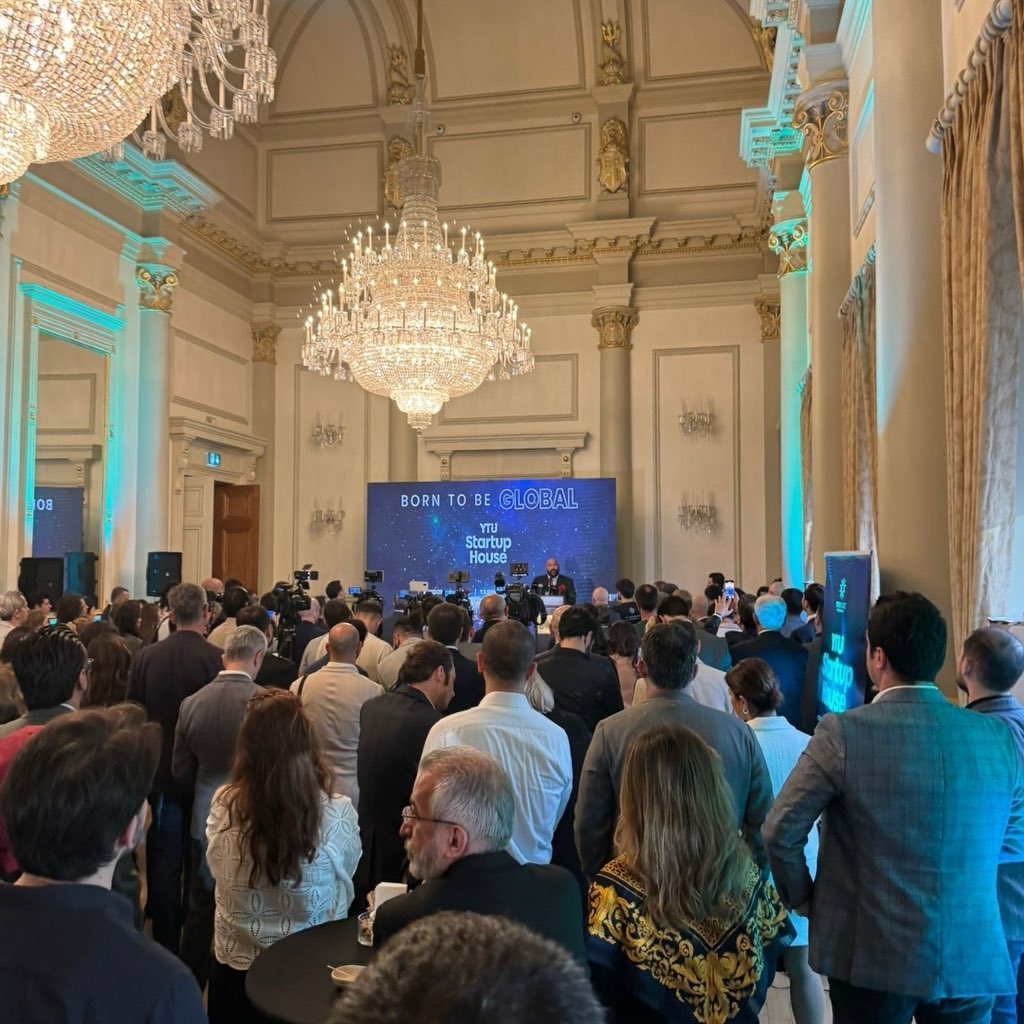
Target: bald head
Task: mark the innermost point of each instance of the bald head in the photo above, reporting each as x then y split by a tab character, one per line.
553	620
991	661
492	608
599	596
343	642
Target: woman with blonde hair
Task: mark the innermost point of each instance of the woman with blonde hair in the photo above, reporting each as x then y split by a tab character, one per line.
282	850
683	927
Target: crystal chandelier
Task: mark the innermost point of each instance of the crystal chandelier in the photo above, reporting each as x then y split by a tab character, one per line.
78	76
416	317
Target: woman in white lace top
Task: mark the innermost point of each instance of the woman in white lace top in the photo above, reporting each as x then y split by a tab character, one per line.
282	850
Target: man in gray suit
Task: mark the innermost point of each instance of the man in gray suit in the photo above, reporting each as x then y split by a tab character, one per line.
204	748
991	661
668	661
921	801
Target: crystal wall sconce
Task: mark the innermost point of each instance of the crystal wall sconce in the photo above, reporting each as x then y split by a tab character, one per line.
698	422
327	435
327	519
699	515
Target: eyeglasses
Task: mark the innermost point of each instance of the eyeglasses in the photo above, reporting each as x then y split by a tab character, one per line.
408	814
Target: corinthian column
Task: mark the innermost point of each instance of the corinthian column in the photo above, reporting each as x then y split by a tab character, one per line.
156	298
788	240
821	115
614	326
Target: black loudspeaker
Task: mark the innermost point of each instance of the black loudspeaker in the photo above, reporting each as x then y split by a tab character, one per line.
162	568
38	576
80	575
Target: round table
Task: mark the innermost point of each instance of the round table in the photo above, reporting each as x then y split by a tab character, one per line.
291	982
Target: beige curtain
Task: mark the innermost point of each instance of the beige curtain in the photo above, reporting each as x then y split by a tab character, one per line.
860	438
805	472
983	253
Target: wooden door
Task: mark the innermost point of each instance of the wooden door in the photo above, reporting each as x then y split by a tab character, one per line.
236	533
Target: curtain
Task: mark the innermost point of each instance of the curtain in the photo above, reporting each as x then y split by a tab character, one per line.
860	436
805	472
983	253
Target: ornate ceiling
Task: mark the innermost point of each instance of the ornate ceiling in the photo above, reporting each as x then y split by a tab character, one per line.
521	94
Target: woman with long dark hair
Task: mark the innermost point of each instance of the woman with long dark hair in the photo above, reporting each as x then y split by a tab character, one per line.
282	850
110	661
683	927
127	619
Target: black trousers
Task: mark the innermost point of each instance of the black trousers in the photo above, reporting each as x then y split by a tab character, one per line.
197	932
227	1002
853	1005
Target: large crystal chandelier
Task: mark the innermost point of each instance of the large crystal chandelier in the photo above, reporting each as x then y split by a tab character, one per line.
417	316
78	76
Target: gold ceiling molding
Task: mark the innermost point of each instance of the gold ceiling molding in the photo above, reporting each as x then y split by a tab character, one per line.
765	36
400	88
614	68
581	252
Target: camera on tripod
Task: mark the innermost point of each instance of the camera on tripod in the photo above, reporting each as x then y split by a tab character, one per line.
460	595
292	599
520	603
368	591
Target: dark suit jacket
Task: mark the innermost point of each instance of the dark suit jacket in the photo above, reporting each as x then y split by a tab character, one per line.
478	636
563	585
598	803
162	676
788	659
469	684
921	802
392	729
715	650
563	844
585	684
277	671
544	898
305	632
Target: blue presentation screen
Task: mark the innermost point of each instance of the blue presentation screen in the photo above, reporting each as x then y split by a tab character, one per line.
57	523
423	531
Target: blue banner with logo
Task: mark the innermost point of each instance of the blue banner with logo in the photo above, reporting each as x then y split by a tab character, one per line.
842	677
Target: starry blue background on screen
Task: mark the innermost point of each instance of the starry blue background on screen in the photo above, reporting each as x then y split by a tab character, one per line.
57	523
423	531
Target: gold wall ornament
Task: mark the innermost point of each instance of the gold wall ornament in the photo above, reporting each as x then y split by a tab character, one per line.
156	288
788	241
398	148
400	88
613	157
264	344
614	69
771	320
173	105
614	326
821	114
765	36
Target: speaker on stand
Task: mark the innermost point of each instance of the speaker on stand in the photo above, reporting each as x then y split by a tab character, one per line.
39	576
80	575
163	568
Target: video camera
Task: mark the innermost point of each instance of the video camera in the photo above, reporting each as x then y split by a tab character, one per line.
292	598
459	596
520	604
368	591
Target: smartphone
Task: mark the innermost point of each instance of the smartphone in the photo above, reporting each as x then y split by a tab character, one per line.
97	618
52	620
729	592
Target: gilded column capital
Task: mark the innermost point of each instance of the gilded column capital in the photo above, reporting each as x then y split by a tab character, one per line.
614	326
771	320
822	115
156	287
264	343
788	241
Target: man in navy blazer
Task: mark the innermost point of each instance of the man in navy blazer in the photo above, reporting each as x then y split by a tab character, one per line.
990	662
921	801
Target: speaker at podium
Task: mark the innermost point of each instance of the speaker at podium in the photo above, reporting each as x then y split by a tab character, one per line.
163	568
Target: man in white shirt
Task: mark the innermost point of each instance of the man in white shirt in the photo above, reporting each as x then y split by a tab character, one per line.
374	649
532	750
333	698
408	633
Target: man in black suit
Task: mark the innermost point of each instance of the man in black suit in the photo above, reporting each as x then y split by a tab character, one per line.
456	828
444	624
583	683
392	729
555	583
275	670
307	629
162	676
787	657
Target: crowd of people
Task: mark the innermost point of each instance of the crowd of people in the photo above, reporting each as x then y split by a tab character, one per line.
643	822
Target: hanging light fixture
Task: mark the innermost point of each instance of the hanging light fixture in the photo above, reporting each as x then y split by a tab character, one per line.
78	76
417	316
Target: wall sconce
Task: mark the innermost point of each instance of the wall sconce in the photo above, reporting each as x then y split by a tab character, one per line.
697	422
327	519
699	515
327	434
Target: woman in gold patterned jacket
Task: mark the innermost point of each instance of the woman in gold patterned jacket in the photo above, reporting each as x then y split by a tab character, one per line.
684	928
